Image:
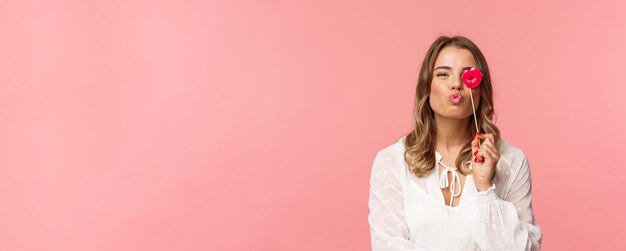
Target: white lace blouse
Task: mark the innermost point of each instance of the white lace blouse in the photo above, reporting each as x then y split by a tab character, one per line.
409	212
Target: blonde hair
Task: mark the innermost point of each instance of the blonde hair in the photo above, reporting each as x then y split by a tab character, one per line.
420	142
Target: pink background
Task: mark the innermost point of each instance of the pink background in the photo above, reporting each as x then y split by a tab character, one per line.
190	125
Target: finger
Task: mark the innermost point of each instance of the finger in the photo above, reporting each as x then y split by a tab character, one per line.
483	155
491	154
475	141
489	136
480	156
491	150
478	159
490	142
490	145
488	149
475	145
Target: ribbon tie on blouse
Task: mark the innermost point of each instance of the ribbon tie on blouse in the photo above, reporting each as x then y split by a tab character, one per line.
443	181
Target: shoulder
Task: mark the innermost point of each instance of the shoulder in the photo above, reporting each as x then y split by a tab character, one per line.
390	157
510	152
393	150
513	160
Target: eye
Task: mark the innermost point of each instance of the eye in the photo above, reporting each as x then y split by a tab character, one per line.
442	74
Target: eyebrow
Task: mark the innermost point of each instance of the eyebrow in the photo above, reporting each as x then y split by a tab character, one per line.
449	68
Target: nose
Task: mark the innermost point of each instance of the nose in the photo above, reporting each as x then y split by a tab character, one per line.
457	84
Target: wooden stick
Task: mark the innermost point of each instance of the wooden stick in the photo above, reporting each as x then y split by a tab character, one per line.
474	112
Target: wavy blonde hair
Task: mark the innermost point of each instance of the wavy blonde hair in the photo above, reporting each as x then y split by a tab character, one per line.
420	142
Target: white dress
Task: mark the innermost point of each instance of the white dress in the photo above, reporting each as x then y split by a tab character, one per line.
409	213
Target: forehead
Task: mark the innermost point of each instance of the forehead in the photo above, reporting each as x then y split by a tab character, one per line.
455	57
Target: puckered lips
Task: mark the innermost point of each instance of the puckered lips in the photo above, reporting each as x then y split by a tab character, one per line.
455	98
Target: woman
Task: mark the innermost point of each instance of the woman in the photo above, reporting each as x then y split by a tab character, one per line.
445	186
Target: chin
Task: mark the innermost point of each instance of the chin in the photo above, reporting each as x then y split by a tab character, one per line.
454	112
457	115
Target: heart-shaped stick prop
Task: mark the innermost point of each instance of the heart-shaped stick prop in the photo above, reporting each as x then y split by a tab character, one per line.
472	78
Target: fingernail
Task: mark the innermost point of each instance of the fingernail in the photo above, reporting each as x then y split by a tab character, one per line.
474	137
478	133
476	152
475	158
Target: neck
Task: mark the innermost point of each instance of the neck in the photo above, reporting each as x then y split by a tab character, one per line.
451	134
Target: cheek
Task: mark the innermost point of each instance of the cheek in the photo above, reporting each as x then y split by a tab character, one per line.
436	90
476	95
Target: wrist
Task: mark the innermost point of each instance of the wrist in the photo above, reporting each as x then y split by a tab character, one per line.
481	187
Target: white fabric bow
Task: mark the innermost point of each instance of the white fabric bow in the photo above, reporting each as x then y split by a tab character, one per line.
443	181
